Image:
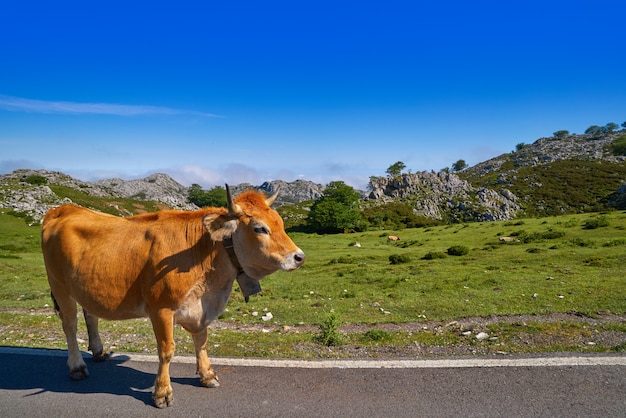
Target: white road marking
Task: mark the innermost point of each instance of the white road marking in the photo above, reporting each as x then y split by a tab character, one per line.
426	363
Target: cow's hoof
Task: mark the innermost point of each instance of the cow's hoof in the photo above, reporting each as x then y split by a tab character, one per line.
163	401
210	383
102	356
79	373
210	380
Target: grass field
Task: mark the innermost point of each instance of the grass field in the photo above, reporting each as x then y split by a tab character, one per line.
574	265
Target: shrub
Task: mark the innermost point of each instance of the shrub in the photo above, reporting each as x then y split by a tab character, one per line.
458	250
399	259
36	180
344	259
595	223
375	335
408	243
539	236
618	147
329	331
579	242
595	262
434	255
615	242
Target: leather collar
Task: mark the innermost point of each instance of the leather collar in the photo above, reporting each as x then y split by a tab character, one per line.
230	250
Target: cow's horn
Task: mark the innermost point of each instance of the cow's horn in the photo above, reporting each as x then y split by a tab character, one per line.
232	207
272	198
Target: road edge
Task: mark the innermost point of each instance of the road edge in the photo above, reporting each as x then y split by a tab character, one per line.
548	360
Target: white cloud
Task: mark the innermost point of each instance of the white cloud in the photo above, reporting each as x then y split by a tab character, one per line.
18	104
190	174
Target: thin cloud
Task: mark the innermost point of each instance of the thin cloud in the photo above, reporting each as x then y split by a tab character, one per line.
18	104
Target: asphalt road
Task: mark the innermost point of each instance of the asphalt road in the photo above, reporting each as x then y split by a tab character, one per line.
35	383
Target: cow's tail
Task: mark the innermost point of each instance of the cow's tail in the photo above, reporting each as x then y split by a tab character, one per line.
57	308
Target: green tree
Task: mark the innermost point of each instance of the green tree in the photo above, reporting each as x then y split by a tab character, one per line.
611	126
215	197
521	146
336	211
561	134
396	168
460	165
624	125
595	130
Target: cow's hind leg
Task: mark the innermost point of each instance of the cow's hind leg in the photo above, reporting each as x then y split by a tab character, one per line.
95	344
66	308
208	377
163	326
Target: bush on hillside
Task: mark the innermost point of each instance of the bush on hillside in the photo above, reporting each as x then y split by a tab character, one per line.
395	215
433	255
36	180
618	147
458	250
399	259
595	223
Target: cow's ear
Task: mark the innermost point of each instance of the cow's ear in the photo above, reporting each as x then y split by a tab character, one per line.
219	225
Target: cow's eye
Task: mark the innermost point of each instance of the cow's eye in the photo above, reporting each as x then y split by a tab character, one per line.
261	230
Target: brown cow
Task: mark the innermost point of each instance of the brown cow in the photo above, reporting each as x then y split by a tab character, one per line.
393	238
170	266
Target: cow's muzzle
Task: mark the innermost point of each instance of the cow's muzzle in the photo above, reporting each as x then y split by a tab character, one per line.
294	260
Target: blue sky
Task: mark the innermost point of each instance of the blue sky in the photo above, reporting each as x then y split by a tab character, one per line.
250	91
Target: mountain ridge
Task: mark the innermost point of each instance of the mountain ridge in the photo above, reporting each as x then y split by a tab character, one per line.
500	188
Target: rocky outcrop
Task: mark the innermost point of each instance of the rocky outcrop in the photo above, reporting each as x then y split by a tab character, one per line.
33	201
618	199
445	196
158	187
290	193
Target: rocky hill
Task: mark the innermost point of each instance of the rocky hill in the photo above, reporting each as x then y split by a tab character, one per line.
568	174
33	192
549	150
552	176
158	187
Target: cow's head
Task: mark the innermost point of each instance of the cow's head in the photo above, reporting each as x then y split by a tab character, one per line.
258	233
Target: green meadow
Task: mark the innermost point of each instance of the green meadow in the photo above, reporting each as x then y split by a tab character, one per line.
573	265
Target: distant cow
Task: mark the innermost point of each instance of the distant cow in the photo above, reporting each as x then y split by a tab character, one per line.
393	238
170	266
508	239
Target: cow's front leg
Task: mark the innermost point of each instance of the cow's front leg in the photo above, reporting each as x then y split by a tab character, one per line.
208	377
163	326
95	344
